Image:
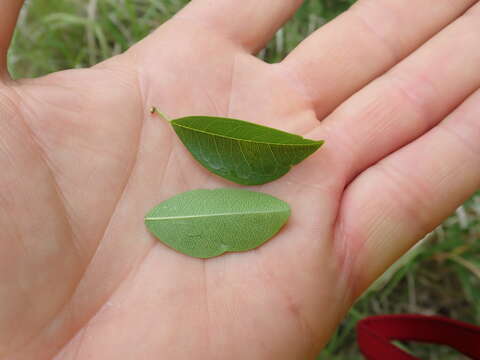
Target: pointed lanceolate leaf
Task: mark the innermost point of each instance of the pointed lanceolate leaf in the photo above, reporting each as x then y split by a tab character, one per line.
208	223
241	151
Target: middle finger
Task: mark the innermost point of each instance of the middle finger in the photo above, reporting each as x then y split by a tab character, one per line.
363	43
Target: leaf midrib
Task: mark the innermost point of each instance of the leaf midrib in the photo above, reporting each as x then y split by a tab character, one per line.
313	142
212	215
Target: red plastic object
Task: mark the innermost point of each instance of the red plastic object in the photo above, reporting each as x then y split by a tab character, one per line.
374	335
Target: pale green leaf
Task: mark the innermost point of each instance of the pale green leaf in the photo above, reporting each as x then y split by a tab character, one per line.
208	223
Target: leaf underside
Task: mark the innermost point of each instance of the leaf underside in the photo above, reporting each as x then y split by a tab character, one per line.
240	151
208	223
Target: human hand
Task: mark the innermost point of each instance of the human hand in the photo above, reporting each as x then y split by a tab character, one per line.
82	161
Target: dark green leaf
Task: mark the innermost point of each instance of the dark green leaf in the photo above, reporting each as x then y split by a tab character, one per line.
208	223
242	152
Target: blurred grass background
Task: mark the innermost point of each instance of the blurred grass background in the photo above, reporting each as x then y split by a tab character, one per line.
439	276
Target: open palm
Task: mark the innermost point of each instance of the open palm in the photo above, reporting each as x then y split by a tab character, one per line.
83	160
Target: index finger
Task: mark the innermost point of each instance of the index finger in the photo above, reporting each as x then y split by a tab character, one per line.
248	23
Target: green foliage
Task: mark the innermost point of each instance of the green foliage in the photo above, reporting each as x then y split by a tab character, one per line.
208	223
240	151
63	34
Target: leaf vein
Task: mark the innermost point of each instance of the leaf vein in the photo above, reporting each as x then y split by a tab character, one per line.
155	218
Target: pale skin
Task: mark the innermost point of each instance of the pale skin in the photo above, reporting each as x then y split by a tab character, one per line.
391	85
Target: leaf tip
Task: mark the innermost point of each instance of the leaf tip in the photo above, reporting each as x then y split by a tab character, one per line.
317	144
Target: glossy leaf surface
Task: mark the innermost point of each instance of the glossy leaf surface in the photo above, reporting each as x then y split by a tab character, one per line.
208	223
240	151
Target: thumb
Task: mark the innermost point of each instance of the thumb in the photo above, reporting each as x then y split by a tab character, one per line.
8	18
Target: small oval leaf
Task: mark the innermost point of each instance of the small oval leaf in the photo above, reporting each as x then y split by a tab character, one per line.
240	151
208	223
